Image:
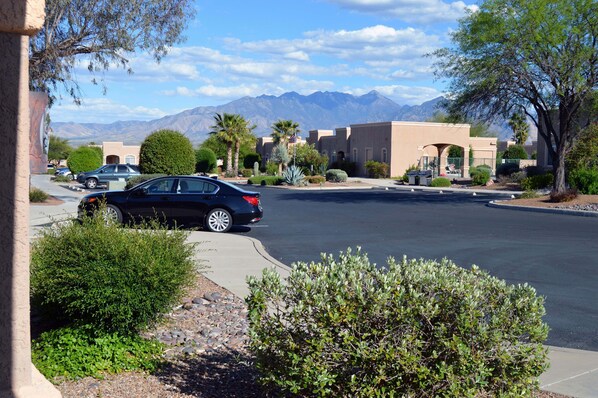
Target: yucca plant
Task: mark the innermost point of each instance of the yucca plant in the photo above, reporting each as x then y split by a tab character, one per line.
293	175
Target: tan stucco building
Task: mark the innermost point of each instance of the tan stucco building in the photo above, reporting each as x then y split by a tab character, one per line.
400	145
117	152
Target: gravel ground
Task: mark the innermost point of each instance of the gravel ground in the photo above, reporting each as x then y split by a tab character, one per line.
207	357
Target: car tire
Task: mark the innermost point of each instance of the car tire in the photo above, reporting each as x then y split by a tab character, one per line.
218	220
71	177
113	214
91	183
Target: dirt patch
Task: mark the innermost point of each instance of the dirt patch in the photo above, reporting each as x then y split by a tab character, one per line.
544	201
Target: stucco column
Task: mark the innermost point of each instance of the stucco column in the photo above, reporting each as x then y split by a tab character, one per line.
18	377
465	167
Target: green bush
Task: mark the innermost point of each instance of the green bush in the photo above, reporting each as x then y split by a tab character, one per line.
534	182
113	278
345	327
584	180
80	351
507	169
376	169
84	159
336	175
480	176
246	172
265	180
529	195
440	182
138	179
205	160
316	179
166	152
36	195
515	152
61	179
271	168
250	159
405	177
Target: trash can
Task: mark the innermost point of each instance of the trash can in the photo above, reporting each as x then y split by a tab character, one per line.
425	177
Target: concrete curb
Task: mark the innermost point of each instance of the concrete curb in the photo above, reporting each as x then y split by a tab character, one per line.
579	213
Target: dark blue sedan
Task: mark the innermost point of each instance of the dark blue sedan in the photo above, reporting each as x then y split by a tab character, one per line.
184	200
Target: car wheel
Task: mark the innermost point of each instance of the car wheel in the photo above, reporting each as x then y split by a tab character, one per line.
113	214
91	183
71	177
219	220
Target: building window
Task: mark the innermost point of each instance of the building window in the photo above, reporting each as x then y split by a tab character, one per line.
355	154
384	156
368	154
130	159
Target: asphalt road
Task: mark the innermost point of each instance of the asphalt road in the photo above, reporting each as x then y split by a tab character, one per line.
557	254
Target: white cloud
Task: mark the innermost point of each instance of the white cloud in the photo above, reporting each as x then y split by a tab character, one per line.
94	110
413	11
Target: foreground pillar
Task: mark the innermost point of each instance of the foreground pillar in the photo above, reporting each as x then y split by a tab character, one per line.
18	377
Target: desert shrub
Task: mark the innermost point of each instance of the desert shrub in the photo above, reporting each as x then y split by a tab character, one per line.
308	157
246	172
440	182
138	179
113	278
347	166
529	195
346	327
36	195
166	152
533	171
376	169
507	169
61	178
74	352
566	196
265	180
293	175
271	168
336	175
405	177
250	159
481	176
540	181
515	152
205	160
518	176
84	159
316	179
585	180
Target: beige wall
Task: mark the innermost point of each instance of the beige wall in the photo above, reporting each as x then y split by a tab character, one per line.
114	150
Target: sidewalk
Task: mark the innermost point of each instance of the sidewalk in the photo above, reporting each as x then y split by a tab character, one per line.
231	258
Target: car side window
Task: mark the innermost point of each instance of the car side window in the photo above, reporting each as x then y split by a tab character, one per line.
123	169
160	187
109	169
209	188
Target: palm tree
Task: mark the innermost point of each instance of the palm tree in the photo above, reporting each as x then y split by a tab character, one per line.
283	131
232	130
243	135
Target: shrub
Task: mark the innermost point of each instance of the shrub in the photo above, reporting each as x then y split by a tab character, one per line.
566	196
293	176
138	179
534	171
481	176
440	182
507	169
348	167
205	160
584	180
376	169
250	159
336	175
316	179
405	177
166	152
113	278
84	159
36	195
246	172
518	176
529	195
537	182
61	179
271	168
515	152
345	327
80	351
265	180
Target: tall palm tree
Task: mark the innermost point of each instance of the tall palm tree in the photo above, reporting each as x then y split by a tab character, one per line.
283	131
232	130
243	135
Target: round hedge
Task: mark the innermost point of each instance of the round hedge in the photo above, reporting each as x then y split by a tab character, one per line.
167	152
205	160
84	159
515	152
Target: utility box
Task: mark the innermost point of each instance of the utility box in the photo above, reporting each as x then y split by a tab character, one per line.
117	185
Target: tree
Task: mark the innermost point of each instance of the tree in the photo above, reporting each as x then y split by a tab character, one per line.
283	132
518	124
515	152
58	149
233	131
166	152
308	157
205	160
585	150
84	158
535	56
101	34
280	156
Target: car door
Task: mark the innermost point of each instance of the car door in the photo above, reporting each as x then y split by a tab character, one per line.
195	196
153	200
122	172
107	173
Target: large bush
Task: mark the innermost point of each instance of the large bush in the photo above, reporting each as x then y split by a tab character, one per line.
265	180
113	278
507	169
84	159
205	160
345	327
440	182
584	180
515	152
480	175
376	169
336	175
250	159
167	152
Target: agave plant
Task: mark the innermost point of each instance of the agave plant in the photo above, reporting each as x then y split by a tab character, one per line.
293	175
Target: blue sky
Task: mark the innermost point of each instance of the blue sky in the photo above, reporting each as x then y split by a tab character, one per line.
238	48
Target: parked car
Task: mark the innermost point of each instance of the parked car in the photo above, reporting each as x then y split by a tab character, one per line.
183	200
64	171
106	173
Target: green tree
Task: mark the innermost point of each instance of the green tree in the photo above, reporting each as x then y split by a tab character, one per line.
455	151
536	56
308	157
515	152
585	150
101	34
58	149
518	124
205	160
284	131
166	152
233	131
84	158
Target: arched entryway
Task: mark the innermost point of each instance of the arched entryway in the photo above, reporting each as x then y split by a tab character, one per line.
112	159
439	164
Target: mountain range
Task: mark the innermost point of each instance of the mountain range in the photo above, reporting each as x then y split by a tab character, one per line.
320	110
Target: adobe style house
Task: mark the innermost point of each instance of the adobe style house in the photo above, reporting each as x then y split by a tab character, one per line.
116	152
401	145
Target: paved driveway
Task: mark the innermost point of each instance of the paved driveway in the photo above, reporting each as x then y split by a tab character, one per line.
557	254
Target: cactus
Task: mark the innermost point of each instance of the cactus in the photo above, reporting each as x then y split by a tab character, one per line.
256	169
